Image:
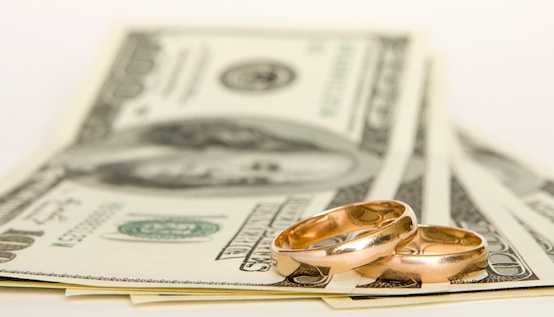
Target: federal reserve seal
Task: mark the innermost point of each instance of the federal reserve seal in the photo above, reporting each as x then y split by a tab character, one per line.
166	230
257	76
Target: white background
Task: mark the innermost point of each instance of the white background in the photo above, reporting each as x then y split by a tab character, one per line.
500	83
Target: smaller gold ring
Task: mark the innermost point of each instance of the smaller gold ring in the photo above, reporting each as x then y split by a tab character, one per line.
381	227
436	254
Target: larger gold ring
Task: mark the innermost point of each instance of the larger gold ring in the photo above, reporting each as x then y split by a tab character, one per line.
380	227
436	254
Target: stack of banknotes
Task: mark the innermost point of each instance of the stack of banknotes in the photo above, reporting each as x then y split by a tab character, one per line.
190	149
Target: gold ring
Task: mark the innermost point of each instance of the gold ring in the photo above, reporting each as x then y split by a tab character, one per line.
379	228
436	254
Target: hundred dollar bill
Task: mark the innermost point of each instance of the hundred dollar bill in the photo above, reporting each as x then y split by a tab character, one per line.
532	185
76	290
147	299
429	153
527	183
518	267
415	188
350	302
425	182
478	202
510	273
190	149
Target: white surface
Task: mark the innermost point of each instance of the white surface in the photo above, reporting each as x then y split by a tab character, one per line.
53	303
501	61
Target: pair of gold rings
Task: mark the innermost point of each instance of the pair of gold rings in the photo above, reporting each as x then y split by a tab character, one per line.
379	239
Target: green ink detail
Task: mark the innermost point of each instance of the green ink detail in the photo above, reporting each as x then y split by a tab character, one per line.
169	229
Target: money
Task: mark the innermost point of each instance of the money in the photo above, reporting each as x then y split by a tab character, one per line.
425	182
480	203
416	187
352	302
146	299
193	148
519	265
416	183
534	187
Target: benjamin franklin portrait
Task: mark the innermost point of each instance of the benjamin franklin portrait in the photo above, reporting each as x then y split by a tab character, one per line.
220	157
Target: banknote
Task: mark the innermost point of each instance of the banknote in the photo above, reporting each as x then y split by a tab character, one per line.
416	189
517	264
516	260
147	299
22	283
142	296
477	202
78	290
352	302
425	181
530	183
413	190
425	184
190	149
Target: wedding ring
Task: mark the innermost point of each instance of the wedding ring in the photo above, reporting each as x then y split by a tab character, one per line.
436	254
378	228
